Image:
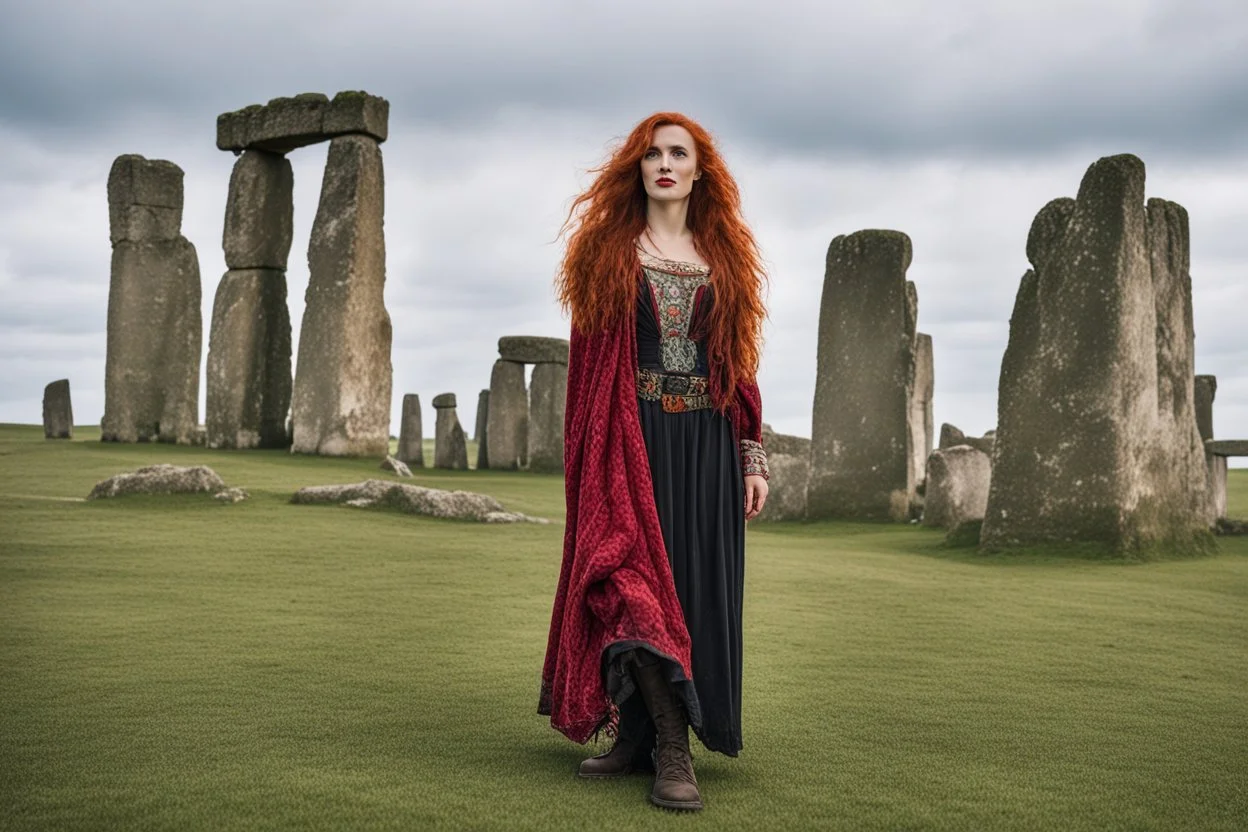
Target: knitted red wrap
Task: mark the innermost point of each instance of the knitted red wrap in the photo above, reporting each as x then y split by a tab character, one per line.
615	583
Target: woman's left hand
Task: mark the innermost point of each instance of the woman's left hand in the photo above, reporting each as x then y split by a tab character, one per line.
755	495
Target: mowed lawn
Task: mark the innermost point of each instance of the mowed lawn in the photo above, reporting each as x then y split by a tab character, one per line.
178	663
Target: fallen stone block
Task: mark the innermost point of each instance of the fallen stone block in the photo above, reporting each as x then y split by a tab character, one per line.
160	479
413	499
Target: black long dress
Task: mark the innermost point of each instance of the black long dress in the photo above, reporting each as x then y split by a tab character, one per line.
699	493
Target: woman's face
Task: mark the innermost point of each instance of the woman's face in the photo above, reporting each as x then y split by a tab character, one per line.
670	166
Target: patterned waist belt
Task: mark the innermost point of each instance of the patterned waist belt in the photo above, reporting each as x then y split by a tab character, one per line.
678	393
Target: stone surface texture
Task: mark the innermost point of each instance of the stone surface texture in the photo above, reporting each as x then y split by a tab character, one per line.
532	349
1097	436
395	466
248	377
507	426
548	393
160	479
862	466
341	397
922	428
951	436
288	123
414	499
957	486
1227	447
482	430
788	462
259	212
155	329
411	433
58	411
144	199
450	446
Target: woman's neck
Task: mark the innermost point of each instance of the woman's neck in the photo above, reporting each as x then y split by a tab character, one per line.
666	220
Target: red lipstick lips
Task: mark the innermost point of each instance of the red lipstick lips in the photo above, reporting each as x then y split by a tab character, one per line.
664	182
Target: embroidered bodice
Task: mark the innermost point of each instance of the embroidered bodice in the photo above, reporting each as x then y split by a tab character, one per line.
674	286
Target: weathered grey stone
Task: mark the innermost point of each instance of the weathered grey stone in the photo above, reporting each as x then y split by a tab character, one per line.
532	349
144	199
482	431
395	466
1205	389
861	464
154	343
248	374
507	425
1097	437
788	463
1217	466
951	437
783	443
411	433
1227	447
58	412
450	446
160	479
288	123
259	212
231	495
413	499
358	112
341	399
921	425
548	392
957	486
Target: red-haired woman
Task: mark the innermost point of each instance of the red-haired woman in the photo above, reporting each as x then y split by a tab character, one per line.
663	459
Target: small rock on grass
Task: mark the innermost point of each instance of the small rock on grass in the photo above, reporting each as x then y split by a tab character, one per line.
396	466
231	495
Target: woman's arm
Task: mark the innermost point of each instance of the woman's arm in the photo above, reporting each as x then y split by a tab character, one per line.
748	419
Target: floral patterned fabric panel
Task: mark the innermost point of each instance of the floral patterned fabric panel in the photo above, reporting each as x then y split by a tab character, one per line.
674	285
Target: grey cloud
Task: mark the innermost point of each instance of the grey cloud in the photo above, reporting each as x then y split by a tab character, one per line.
815	80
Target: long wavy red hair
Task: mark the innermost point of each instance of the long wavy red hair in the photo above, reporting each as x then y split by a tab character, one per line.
599	277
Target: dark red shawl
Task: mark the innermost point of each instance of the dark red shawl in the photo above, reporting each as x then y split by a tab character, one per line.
616	582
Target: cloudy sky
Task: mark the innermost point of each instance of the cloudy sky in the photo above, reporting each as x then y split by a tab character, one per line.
953	122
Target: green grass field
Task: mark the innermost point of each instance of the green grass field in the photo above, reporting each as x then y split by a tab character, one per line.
177	663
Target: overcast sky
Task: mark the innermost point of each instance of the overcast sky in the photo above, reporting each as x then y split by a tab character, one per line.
953	122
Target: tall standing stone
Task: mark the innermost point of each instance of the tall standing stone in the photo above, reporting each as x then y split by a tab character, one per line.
341	400
482	430
548	392
1205	389
58	412
861	462
411	433
249	379
922	428
249	361
1097	435
507	425
155	329
450	447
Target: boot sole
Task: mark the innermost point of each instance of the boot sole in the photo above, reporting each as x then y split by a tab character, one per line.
680	806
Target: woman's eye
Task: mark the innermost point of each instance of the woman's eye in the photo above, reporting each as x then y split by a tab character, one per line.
678	153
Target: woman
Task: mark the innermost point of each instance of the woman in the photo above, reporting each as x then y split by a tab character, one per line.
663	459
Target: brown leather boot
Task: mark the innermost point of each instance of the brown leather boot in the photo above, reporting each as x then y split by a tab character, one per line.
675	787
633	742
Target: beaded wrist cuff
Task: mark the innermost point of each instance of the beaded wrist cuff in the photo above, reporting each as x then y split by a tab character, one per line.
753	459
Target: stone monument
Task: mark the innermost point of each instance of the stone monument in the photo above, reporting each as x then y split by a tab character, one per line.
155	330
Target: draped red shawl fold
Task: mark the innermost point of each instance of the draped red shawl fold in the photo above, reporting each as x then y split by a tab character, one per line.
615	583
